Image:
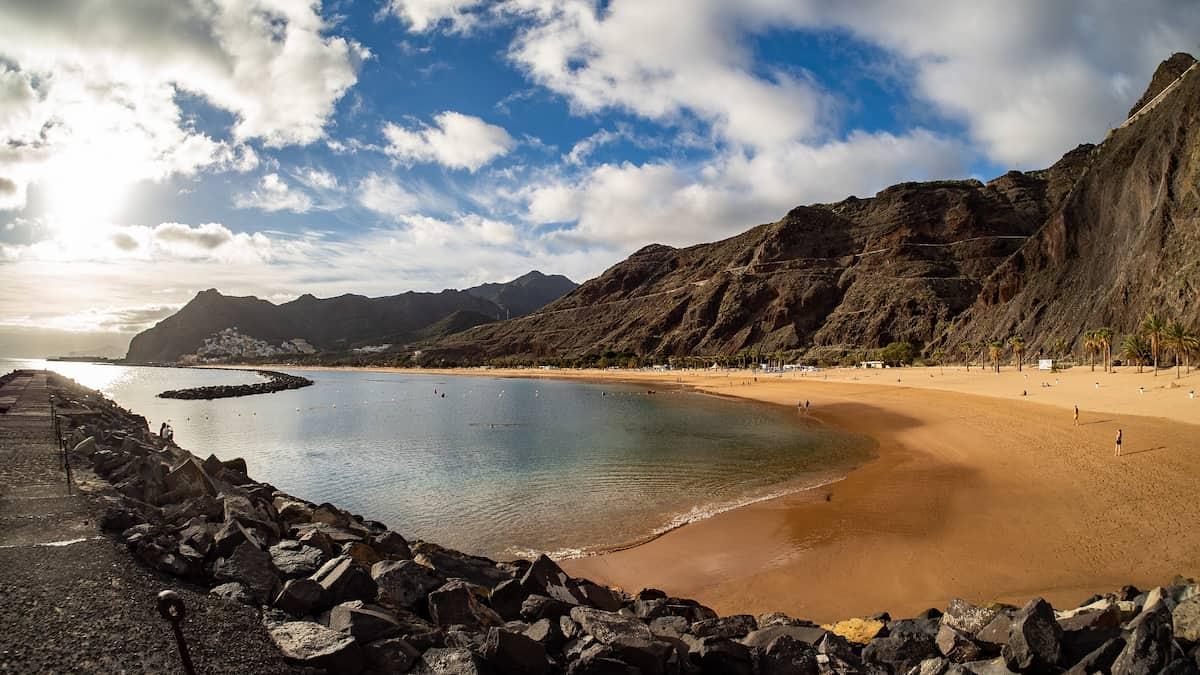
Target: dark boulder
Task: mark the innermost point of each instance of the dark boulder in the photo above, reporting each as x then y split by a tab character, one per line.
404	582
343	580
320	541
595	664
967	618
507	597
648	610
294	559
231	535
252	567
599	597
674	626
769	619
899	654
455	565
733	627
783	655
301	597
957	645
548	632
760	638
721	656
541	607
366	623
456	602
312	645
1034	639
391	655
450	661
514	653
392	546
606	627
1185	618
1149	644
545	577
1100	660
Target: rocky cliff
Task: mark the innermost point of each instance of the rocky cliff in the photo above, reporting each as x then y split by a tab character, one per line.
1105	234
344	322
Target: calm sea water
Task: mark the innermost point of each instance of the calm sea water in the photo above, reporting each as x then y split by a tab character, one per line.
493	466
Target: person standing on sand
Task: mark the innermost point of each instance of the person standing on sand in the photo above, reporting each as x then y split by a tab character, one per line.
1076	422
1118	442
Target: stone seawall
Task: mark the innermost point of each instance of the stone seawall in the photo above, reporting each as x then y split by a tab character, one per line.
344	594
276	382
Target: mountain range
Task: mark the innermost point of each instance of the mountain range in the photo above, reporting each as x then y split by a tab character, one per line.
344	322
1108	233
1105	235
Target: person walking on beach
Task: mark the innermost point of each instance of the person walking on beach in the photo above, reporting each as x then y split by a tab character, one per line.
806	405
1076	422
1118	442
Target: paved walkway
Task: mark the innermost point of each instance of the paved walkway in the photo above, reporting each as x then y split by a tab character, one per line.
73	599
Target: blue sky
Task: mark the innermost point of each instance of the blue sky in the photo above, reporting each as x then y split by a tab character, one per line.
273	148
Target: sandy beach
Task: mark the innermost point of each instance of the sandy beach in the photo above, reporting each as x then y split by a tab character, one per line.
978	491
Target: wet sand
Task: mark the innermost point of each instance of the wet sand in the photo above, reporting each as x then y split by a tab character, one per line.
978	492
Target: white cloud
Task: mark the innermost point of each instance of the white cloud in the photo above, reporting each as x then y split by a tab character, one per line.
274	194
665	60
1030	79
386	197
165	242
422	15
318	179
455	140
624	206
90	90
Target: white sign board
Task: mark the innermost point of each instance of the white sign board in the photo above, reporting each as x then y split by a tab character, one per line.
1045	364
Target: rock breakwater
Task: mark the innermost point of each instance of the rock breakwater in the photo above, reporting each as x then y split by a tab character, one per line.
276	381
344	594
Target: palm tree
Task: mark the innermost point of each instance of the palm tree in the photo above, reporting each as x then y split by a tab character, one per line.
1105	336
1018	345
1060	347
1154	327
1091	345
967	348
996	350
1136	350
1180	340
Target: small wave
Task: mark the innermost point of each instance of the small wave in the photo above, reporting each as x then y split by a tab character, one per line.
693	515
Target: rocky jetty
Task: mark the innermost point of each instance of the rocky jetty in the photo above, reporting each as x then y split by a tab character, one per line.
276	382
342	594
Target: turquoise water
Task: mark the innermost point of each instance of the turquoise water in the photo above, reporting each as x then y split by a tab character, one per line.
497	466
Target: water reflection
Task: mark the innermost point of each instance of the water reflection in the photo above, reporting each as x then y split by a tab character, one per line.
491	465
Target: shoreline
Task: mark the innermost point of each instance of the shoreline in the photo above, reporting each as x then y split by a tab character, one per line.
976	491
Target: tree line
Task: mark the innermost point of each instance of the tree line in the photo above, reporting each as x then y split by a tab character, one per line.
1153	338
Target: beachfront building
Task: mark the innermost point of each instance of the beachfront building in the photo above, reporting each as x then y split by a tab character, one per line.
871	364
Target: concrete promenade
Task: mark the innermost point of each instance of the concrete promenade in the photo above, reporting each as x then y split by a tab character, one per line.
73	599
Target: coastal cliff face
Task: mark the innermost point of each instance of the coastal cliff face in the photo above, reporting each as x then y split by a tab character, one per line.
1104	235
346	321
1126	240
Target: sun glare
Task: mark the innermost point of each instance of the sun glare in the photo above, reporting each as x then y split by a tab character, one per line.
87	190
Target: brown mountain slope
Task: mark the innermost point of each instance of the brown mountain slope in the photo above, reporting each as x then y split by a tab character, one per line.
1099	238
1126	241
861	272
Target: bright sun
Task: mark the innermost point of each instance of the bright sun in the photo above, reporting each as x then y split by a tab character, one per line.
86	190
